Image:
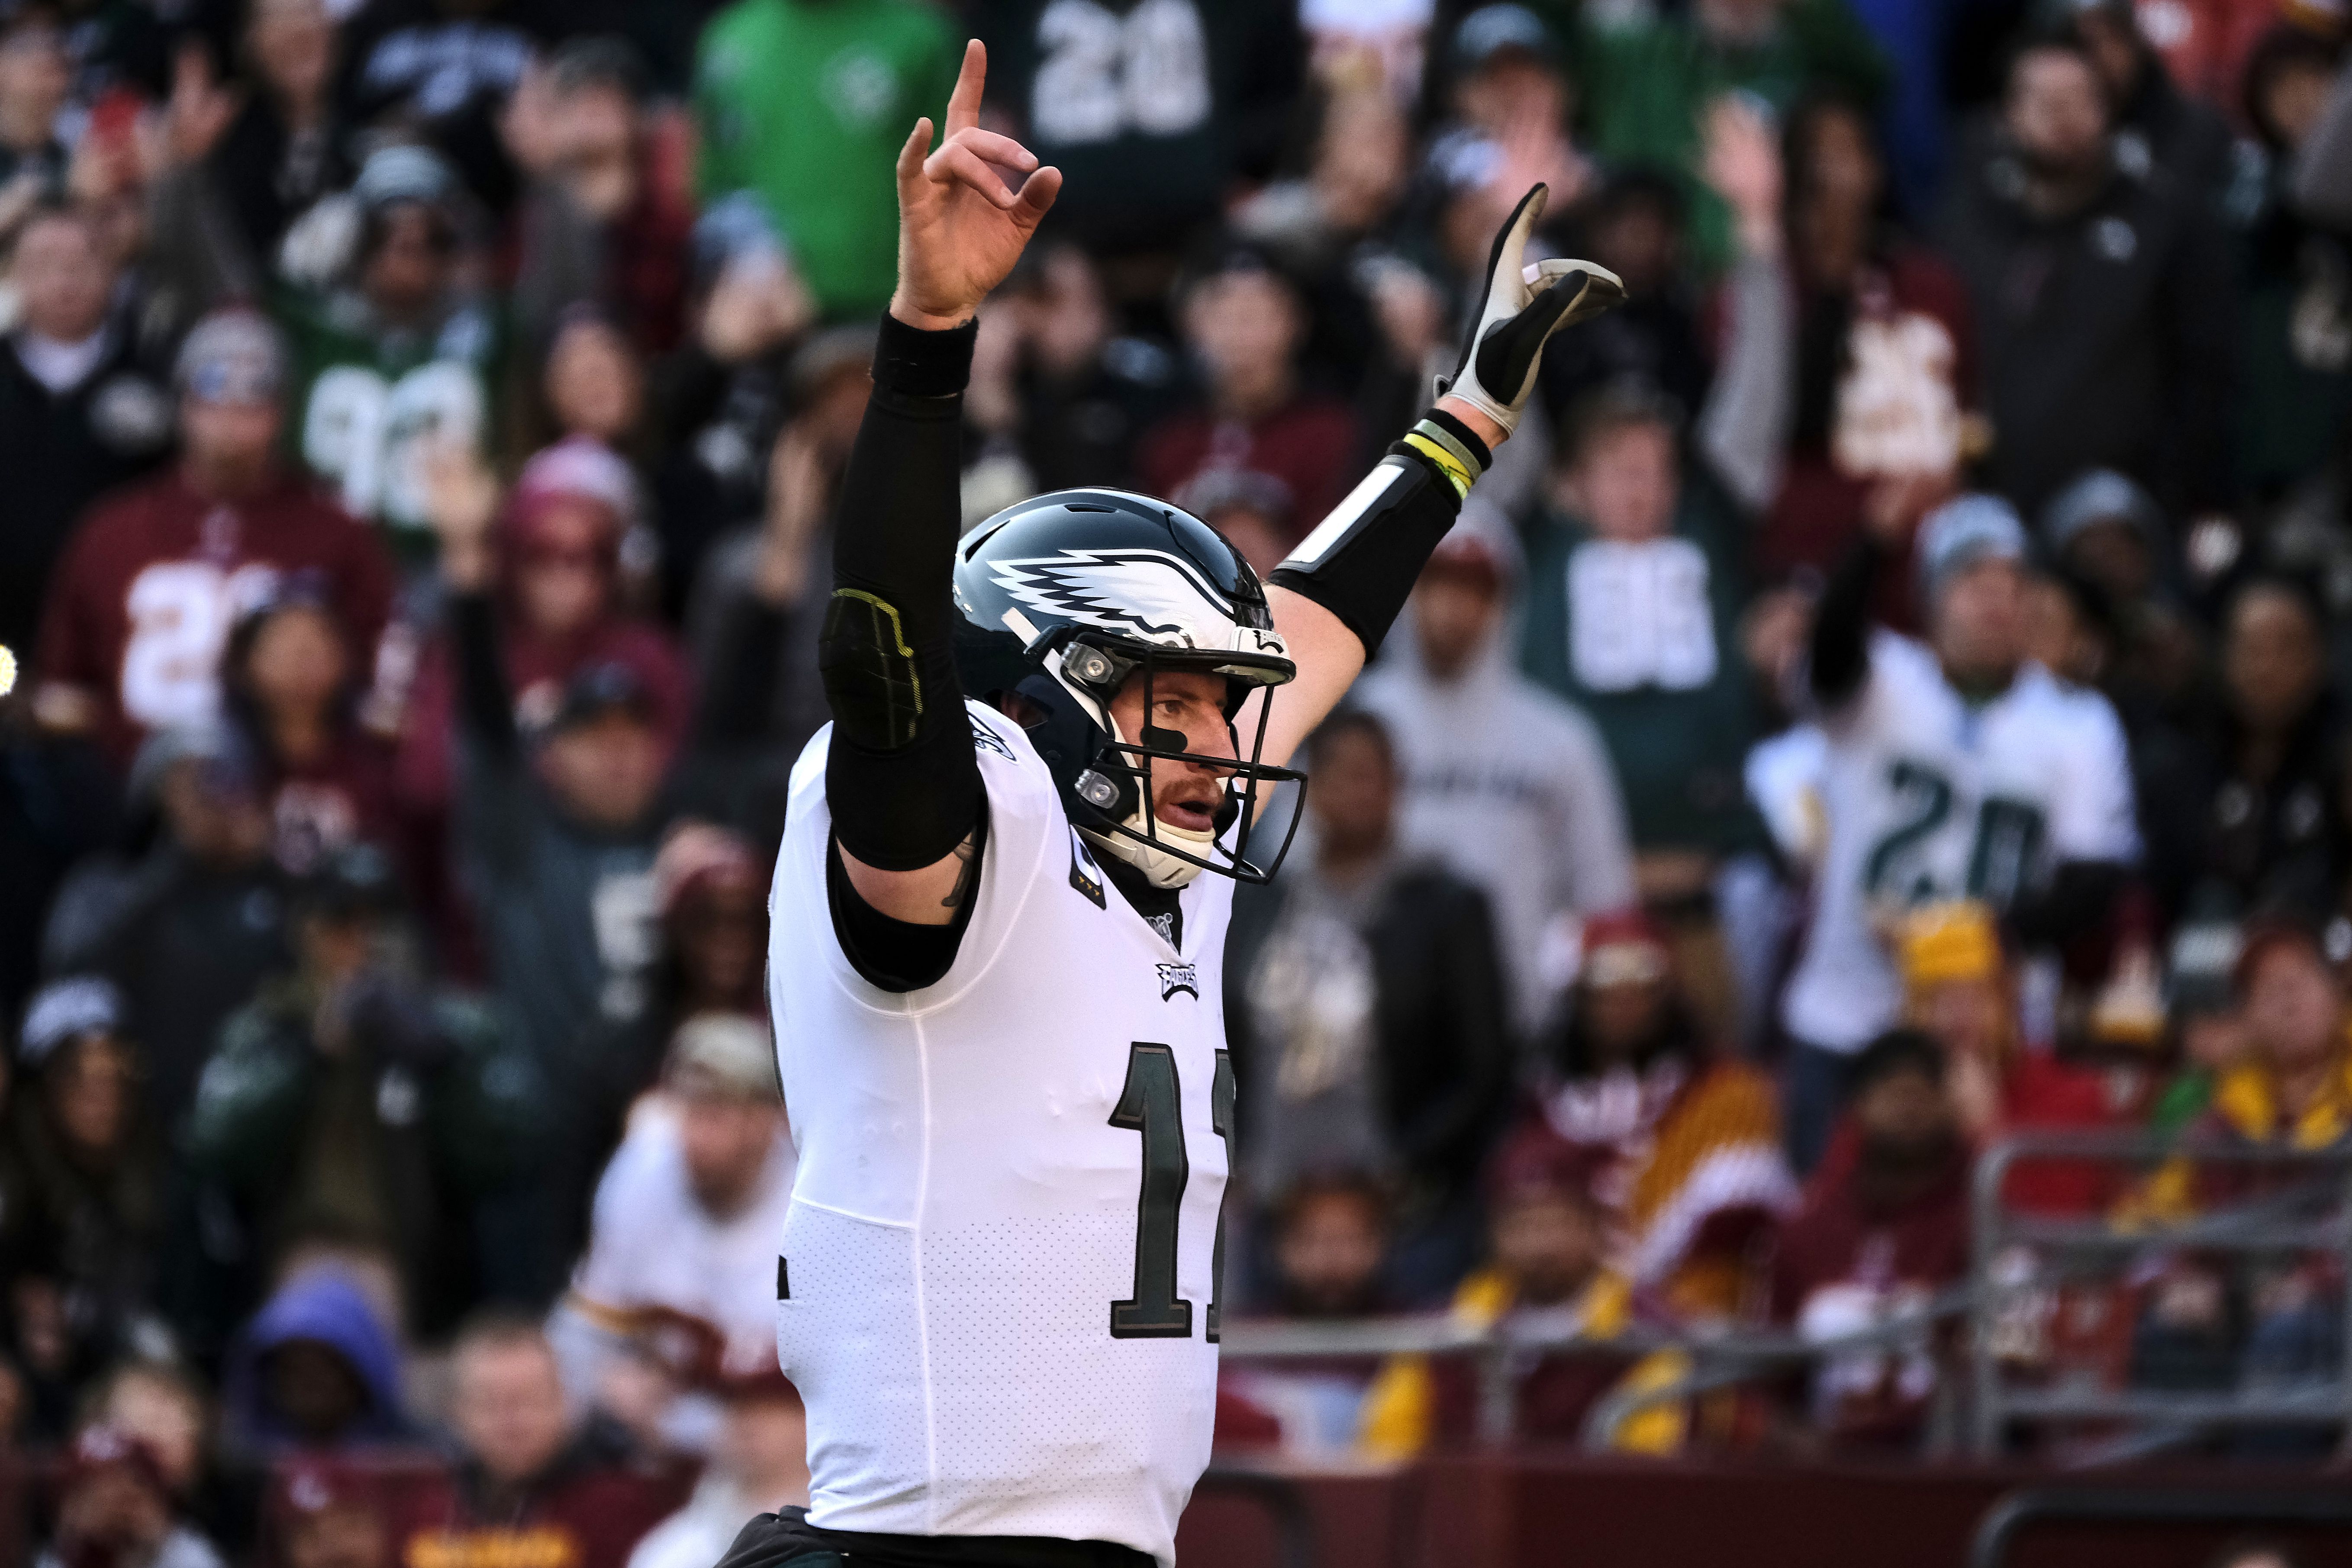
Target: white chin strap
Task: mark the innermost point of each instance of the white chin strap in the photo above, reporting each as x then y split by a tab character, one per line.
1159	869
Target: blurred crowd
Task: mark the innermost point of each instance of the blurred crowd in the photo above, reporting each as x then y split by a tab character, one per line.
420	427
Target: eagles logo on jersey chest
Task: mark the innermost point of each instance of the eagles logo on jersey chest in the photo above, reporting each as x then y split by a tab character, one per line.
1175	977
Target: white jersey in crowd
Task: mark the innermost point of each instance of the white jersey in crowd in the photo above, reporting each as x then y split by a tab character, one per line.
651	1243
997	1291
1929	797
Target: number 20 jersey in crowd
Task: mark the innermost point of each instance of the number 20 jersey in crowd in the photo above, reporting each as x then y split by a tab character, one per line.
997	1291
1930	796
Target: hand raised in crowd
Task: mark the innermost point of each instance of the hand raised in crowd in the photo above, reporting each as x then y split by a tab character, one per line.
461	503
961	226
197	115
1742	162
801	478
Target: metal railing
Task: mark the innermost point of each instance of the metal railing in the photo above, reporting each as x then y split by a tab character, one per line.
2007	1518
2313	1214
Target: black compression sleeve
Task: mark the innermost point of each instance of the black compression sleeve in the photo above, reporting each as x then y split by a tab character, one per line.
1362	562
1839	651
893	954
900	777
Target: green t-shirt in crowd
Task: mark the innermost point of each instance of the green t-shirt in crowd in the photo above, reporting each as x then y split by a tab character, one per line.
805	104
1644	637
1649	82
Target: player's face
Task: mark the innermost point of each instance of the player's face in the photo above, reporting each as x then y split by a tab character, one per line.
1192	705
1980	620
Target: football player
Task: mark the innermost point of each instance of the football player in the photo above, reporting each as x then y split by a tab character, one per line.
999	909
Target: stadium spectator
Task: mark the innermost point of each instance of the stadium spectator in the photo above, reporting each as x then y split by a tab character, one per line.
2105	531
78	413
687	1214
1954	768
292	682
141	603
818	152
1502	782
36	77
160	1406
284	147
1546	1252
592	384
1245	322
440	72
1154	123
550	560
112	1508
1883	1228
84	1196
1367	1013
397	351
1682	1147
316	1371
607	223
349	1101
1082	396
322	1512
2249	803
526	1473
1881	364
1960	990
2101	297
721	399
1328	1244
760	1466
2297	392
1653	82
189	927
2294	1087
1633	614
1636	225
2158	126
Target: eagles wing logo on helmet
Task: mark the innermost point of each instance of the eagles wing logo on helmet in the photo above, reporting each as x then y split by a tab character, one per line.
1145	592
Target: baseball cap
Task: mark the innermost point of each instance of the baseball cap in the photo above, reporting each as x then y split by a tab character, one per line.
232	355
65	1010
404	173
1492	30
599	690
2102	495
1624	947
722	1055
1962	531
1949	941
578	468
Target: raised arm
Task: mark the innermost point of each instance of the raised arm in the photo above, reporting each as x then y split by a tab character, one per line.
900	778
1334	599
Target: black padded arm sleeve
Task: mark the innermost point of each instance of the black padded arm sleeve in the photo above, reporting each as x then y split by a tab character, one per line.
1839	651
900	776
1362	562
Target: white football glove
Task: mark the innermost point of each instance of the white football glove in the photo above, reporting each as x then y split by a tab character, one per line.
1521	310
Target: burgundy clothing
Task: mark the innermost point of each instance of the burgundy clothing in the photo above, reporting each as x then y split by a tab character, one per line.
1841	1237
1818	511
1312	445
344	797
585	1513
153	580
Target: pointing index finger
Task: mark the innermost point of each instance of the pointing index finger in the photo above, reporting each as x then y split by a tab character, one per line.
963	104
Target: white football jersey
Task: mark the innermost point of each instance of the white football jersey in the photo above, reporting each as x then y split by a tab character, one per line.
998	1289
1929	797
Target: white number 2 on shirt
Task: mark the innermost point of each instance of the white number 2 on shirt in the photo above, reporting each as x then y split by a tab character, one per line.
181	612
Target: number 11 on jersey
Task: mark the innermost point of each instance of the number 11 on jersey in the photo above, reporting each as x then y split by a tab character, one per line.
1151	1103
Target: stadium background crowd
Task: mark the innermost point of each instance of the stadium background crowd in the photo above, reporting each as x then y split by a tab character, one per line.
419	422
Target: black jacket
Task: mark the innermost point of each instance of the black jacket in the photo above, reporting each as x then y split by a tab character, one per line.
2280	845
2109	336
1440	1015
